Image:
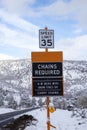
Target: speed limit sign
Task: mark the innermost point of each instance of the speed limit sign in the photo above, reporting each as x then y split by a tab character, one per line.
46	38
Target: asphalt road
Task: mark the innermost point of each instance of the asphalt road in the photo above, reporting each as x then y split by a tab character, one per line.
9	117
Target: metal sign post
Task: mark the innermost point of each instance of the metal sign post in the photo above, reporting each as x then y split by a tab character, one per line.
48	112
47	103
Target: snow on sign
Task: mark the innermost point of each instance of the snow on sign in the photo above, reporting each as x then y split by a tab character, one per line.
46	38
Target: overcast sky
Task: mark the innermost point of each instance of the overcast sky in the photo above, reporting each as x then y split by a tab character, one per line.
20	21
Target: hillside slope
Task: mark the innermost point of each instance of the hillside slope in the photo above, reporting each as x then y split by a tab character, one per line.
16	76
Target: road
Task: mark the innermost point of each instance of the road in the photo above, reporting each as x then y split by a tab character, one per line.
9	117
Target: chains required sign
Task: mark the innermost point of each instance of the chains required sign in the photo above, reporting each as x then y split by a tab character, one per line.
47	74
46	38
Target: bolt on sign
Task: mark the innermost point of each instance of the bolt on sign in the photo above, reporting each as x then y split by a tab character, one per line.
47	73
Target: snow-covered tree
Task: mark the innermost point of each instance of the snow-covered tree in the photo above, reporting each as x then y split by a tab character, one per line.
1	97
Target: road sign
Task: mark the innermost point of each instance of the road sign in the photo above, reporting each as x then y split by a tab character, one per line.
47	74
47	86
46	38
47	69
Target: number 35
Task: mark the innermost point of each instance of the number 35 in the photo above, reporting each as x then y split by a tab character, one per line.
47	42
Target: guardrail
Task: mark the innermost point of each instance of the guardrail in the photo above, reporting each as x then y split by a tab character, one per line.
9	117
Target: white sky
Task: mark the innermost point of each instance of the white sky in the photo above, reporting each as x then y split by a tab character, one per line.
21	20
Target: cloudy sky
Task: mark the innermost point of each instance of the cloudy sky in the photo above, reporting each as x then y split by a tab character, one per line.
20	21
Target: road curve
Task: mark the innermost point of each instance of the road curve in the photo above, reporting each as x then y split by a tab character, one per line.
9	117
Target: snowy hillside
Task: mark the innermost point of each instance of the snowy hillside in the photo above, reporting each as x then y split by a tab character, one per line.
75	76
15	81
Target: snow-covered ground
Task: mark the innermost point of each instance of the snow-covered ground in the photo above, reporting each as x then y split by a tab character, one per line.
5	110
62	119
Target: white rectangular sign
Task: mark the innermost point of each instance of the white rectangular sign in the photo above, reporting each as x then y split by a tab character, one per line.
46	38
